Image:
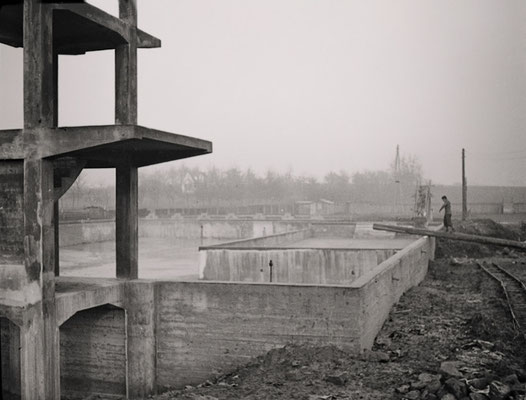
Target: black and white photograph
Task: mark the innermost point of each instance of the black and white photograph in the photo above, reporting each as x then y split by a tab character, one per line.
248	199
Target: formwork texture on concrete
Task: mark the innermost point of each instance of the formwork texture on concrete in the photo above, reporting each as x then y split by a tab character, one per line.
181	333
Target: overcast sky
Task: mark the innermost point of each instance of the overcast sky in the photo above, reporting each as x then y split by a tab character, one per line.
315	86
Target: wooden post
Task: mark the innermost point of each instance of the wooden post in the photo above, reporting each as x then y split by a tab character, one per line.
464	188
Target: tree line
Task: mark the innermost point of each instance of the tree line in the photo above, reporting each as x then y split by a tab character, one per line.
195	187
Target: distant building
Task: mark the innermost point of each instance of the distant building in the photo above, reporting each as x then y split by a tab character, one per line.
189	182
321	207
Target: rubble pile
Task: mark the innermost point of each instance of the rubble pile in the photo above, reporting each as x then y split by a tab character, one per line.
482	227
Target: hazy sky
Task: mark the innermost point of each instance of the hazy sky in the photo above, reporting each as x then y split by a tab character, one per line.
314	86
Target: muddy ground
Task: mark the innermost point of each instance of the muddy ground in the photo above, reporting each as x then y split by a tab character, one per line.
449	338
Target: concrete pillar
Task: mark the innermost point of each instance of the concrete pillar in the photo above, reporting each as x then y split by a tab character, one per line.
31	357
55	123
39	344
126	222
140	308
126	230
126	68
39	349
56	234
39	357
39	102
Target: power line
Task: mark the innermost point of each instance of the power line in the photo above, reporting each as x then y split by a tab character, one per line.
498	153
478	157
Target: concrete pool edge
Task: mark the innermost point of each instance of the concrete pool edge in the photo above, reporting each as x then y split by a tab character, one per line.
181	333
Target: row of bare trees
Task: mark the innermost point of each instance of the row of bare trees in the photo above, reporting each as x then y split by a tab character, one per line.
191	187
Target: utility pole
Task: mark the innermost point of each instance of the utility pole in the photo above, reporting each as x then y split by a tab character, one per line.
397	164
464	188
398	195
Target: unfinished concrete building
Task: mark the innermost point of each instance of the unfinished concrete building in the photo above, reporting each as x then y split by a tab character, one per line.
123	337
37	165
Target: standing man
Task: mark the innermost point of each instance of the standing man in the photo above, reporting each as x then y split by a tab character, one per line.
447	214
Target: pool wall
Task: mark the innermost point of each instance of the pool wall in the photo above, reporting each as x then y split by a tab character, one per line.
249	260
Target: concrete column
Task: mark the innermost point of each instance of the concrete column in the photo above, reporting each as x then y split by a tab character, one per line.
55	123
39	349
56	234
31	357
127	239
126	222
140	308
39	101
126	68
40	336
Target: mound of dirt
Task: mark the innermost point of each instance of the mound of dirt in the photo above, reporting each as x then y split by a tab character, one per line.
482	227
486	227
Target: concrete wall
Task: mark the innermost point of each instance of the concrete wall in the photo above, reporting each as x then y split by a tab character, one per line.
334	229
11	215
206	327
248	260
317	266
72	233
382	287
181	333
93	353
9	359
276	240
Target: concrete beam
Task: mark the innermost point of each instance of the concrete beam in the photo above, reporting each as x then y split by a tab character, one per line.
147	41
91	13
78	294
103	142
13	311
79	28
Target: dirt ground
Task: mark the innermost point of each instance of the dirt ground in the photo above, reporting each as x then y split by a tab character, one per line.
449	338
